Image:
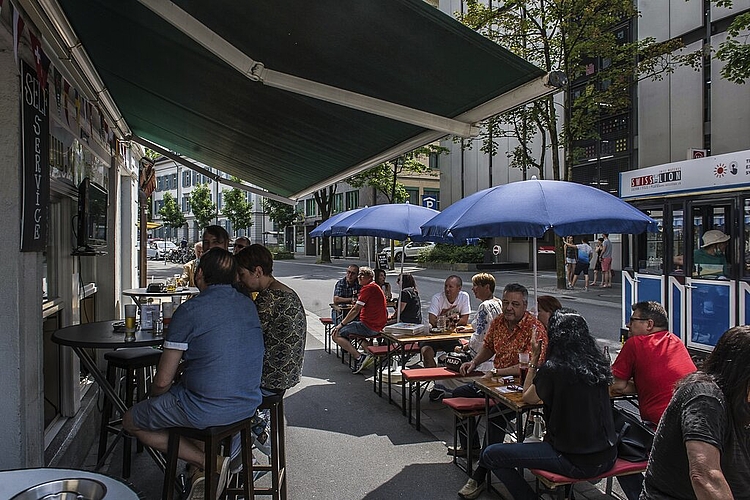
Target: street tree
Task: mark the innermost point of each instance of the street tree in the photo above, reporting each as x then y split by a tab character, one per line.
324	201
735	50
282	214
237	209
568	35
384	177
170	212
203	208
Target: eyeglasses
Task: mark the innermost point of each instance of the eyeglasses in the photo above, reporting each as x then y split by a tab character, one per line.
639	319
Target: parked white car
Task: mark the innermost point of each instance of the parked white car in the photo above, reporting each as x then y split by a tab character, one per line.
411	250
160	248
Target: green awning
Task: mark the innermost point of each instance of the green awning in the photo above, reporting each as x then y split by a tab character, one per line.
176	93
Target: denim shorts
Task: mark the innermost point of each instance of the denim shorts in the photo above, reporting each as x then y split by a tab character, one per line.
158	413
356	328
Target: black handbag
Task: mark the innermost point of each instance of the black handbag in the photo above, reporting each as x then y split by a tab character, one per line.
454	360
634	439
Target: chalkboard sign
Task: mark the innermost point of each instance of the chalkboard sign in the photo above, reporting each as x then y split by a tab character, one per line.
383	261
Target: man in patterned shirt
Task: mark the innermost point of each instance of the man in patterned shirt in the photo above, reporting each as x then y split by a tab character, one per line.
509	334
345	292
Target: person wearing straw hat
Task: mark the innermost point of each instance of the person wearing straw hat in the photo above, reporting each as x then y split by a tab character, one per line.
710	260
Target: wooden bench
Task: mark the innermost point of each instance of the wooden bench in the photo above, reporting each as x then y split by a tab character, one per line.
383	352
465	411
552	481
415	377
328	324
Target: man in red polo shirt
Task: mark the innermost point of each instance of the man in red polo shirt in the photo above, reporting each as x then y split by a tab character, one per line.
650	363
366	319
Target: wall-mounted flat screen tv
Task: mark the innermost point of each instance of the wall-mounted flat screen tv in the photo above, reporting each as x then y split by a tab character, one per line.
92	215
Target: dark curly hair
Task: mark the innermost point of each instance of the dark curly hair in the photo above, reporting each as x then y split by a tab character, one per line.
572	349
727	365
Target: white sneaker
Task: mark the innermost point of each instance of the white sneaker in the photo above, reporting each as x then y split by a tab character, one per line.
471	489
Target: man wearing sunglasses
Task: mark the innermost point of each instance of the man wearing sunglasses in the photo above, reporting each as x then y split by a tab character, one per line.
650	363
345	292
240	243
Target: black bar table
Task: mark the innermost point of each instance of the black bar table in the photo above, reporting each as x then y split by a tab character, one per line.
102	335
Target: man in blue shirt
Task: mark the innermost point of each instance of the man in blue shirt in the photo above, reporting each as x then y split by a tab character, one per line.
215	346
345	293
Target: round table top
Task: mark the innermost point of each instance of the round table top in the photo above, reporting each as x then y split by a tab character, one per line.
102	335
13	482
141	292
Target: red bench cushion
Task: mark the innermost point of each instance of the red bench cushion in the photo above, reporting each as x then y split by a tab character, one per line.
465	404
424	374
326	321
622	467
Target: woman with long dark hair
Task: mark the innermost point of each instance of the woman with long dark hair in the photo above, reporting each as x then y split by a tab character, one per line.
702	444
411	305
573	385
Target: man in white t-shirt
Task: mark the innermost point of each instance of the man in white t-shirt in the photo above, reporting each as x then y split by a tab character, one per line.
453	303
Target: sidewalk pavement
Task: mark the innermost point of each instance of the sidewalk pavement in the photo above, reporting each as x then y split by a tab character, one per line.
344	442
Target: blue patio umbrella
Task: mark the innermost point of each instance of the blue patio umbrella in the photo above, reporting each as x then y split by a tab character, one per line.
397	221
324	229
531	208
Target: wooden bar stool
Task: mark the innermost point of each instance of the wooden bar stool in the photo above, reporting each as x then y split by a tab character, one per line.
137	363
212	437
277	460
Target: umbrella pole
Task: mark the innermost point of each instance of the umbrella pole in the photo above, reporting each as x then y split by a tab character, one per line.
398	308
536	277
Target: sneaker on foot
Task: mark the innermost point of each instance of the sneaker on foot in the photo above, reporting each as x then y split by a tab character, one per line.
197	487
222	464
359	364
472	489
368	362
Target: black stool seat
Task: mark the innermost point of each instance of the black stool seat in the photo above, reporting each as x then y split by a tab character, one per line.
212	437
131	360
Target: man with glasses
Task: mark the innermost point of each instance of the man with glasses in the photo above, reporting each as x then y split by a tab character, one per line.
366	318
345	292
650	363
509	334
240	243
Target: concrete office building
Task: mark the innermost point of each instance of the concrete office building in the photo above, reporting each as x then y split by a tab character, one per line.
688	112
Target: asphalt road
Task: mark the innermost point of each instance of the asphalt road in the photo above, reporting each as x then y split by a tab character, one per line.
314	284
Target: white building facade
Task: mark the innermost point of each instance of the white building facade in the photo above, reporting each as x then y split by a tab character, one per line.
180	181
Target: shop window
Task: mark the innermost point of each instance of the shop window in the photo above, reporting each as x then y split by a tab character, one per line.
338	203
746	244
310	207
653	259
678	241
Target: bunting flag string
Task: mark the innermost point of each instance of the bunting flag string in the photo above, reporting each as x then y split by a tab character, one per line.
41	60
57	80
66	93
17	31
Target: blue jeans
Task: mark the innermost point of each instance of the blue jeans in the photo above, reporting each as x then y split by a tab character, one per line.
502	460
498	417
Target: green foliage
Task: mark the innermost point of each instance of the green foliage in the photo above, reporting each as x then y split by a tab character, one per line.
453	254
281	253
735	51
237	209
170	212
203	208
566	35
282	214
384	177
